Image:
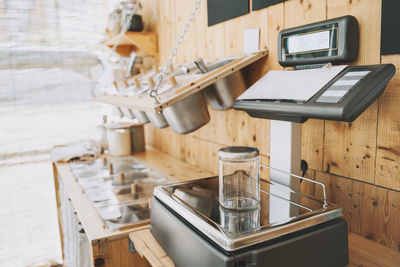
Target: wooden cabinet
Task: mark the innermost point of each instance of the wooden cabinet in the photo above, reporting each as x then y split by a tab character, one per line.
86	241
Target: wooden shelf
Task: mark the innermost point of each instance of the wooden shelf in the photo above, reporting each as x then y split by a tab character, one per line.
134	41
186	89
143	103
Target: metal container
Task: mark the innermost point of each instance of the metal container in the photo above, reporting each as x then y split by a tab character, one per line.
128	113
125	138
119	141
138	143
141	116
188	114
222	94
157	119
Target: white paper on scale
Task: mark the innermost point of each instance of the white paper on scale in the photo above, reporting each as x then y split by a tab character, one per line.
298	85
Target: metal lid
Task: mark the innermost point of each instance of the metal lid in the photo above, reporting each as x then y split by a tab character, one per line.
238	152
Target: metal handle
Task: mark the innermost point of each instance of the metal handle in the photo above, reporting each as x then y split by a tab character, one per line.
201	65
301	178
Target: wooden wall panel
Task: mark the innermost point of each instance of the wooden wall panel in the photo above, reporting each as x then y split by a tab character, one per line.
388	141
193	44
369	210
150	25
299	12
312	143
215	37
349	148
165	28
380	216
345	193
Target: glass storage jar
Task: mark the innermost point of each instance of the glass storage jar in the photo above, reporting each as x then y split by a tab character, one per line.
239	177
238	222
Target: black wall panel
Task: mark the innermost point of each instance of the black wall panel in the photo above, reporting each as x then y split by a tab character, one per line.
390	27
222	10
258	4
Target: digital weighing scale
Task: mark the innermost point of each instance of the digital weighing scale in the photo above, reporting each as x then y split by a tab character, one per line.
289	228
195	230
341	97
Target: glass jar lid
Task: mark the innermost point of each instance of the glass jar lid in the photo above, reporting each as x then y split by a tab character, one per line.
238	152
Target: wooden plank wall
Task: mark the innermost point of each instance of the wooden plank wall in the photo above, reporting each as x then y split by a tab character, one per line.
359	161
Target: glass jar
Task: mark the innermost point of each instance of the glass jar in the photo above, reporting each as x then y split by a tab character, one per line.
238	222
239	177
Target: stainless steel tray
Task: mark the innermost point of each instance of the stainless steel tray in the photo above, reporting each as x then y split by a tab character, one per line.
281	211
112	195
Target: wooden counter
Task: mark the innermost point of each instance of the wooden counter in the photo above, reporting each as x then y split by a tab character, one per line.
112	248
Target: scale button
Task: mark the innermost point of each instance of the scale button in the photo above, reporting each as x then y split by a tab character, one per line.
328	99
334	93
345	82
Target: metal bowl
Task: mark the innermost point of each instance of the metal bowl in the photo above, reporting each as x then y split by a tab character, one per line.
157	119
127	113
222	94
188	114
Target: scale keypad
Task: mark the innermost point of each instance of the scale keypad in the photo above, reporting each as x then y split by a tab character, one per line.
336	92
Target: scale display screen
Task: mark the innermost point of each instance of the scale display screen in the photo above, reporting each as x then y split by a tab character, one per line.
322	41
335	41
308	42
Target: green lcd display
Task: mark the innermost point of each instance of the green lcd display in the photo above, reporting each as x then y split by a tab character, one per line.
321	42
334	41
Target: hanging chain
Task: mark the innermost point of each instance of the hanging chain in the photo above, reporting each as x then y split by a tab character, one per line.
161	76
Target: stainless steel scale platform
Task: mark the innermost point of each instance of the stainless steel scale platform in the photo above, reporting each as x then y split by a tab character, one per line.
195	230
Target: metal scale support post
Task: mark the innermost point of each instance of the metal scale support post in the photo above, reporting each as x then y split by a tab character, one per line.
285	154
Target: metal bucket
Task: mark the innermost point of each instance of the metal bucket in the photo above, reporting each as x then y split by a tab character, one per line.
222	94
187	115
141	116
127	113
157	119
